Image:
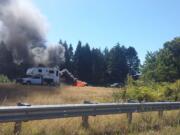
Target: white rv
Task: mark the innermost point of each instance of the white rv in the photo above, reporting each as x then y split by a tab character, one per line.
42	75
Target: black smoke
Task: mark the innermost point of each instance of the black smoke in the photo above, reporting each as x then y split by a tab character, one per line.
23	30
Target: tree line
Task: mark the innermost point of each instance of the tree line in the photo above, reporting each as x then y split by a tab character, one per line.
163	65
95	66
110	65
101	67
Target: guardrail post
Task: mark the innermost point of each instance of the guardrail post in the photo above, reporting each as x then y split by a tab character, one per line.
18	124
85	118
129	116
160	113
17	128
85	123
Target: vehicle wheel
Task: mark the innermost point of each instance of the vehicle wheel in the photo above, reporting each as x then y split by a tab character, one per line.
53	84
28	83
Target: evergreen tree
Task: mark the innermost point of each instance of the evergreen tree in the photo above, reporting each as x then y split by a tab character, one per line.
85	63
71	55
98	70
76	59
105	70
149	66
117	66
132	61
66	55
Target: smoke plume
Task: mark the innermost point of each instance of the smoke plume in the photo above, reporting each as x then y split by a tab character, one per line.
23	29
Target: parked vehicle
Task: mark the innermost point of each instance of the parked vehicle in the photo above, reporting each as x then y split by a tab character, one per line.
41	75
36	80
49	76
116	85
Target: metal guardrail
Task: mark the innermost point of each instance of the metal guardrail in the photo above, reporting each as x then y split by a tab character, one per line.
19	114
39	112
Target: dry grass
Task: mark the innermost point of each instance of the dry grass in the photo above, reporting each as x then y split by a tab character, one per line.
12	94
143	124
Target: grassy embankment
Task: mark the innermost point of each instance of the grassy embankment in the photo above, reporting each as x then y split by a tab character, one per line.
143	124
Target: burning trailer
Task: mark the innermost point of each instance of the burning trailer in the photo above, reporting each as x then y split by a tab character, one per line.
49	76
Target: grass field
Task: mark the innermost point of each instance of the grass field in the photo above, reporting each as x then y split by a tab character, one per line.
12	94
143	124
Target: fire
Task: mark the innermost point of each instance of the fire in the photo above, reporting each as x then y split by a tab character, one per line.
79	83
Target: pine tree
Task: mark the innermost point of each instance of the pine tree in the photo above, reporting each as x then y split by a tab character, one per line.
132	61
71	55
85	63
117	65
98	71
76	59
106	62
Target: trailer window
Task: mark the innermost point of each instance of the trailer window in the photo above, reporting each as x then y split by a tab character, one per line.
40	70
36	77
51	71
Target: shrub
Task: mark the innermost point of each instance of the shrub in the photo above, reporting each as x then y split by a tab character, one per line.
142	93
4	79
149	92
119	95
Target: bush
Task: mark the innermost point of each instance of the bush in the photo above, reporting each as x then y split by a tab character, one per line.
119	96
172	92
142	93
4	79
149	92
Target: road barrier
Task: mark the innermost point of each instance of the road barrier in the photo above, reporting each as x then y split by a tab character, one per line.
26	112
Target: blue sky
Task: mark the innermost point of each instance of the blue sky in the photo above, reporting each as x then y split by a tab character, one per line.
143	24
